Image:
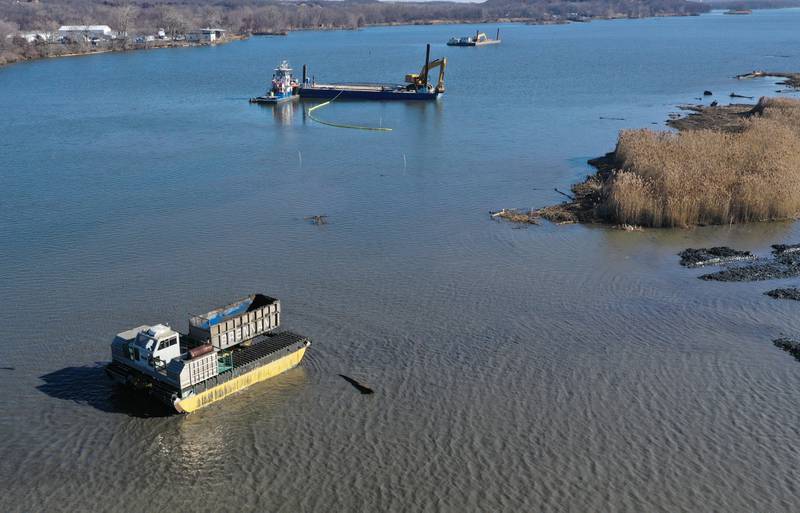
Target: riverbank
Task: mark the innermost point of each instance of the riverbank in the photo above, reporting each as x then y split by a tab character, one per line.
38	51
726	164
791	80
19	50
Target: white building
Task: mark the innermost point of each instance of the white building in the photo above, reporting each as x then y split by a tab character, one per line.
36	37
206	35
76	32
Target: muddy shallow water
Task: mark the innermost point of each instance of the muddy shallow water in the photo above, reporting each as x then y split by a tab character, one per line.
551	368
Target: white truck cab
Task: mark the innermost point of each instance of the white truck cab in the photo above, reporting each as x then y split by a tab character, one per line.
155	347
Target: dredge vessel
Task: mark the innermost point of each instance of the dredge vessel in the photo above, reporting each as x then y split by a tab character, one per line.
417	86
480	39
226	350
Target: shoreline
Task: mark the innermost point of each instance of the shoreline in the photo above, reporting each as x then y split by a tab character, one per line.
283	33
791	80
153	45
589	203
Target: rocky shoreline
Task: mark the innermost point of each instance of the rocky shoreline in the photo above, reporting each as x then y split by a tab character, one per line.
739	265
743	266
791	80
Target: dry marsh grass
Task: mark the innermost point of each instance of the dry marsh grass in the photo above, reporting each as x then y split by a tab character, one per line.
693	177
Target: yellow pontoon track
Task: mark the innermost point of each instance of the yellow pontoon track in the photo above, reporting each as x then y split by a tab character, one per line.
218	392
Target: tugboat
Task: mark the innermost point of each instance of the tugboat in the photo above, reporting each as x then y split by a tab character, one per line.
283	86
225	350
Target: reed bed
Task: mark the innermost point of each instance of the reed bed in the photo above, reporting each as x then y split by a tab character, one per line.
698	177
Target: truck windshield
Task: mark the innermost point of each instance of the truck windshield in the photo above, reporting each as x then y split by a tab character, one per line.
145	342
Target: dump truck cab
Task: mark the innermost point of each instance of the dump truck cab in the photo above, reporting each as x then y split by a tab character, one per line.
157	346
147	347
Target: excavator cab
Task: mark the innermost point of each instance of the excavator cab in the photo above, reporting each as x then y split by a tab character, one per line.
419	81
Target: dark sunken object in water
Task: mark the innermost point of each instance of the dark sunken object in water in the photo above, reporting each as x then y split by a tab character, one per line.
787	293
780	249
790	346
712	256
783	265
358	386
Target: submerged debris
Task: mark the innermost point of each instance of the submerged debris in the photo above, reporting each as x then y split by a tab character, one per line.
358	386
790	346
782	266
318	219
558	214
712	256
785	263
629	227
786	293
780	249
515	215
755	272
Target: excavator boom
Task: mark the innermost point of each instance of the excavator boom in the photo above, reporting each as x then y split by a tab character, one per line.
421	79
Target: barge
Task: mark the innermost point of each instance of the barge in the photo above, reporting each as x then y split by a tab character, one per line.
480	39
225	350
282	88
416	87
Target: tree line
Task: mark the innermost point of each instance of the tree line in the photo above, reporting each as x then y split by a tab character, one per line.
248	16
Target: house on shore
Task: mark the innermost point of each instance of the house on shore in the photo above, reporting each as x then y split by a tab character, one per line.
85	32
206	35
35	36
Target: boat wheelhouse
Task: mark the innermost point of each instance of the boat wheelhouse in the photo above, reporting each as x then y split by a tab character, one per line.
282	88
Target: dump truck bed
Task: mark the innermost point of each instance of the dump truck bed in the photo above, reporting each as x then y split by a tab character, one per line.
236	322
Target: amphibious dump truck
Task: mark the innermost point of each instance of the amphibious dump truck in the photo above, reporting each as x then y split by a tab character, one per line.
226	349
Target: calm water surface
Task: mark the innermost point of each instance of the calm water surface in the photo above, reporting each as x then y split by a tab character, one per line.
549	368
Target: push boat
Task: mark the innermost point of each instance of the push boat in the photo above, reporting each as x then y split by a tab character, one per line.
226	350
417	86
480	39
283	87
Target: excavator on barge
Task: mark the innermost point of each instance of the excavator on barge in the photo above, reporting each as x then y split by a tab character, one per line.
417	86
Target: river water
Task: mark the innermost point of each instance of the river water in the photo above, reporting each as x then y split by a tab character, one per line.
550	368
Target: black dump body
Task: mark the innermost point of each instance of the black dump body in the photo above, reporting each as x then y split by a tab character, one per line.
260	300
262	350
276	345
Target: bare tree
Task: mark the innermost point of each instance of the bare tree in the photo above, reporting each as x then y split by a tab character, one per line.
172	21
124	18
212	17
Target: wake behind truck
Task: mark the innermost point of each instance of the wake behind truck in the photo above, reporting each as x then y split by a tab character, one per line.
224	351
